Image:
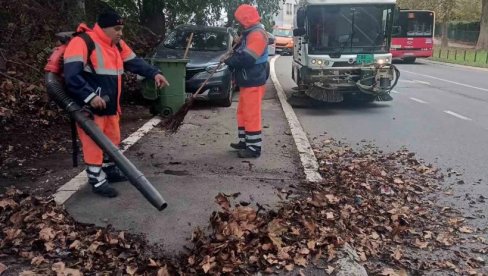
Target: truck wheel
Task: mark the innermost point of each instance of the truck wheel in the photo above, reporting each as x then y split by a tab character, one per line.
410	60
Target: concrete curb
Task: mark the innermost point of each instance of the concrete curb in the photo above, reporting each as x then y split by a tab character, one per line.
307	156
454	65
75	184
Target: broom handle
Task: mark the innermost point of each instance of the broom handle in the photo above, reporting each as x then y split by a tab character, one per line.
188	46
211	74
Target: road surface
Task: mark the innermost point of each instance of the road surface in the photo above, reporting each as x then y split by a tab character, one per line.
439	112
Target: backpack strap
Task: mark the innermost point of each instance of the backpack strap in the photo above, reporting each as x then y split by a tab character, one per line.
91	47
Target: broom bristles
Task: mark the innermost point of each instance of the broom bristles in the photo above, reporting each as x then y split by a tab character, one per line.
176	120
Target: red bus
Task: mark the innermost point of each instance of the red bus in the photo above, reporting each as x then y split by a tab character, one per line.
413	35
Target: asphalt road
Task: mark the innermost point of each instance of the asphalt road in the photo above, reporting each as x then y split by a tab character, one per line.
439	112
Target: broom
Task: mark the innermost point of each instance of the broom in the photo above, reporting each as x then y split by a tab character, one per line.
176	120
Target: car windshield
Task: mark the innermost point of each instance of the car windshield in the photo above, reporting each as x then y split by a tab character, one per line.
203	40
349	29
414	24
283	32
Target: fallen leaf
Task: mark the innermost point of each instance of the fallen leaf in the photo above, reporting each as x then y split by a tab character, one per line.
420	244
275	230
466	230
398	181
12	233
300	261
131	269
304	251
47	234
37	261
392	272
94	246
3	268
8	203
163	271
75	245
28	273
330	216
398	254
153	263
311	245
289	267
49	246
222	200
330	270
58	267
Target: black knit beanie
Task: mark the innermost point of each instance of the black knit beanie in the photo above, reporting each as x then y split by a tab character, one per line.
109	19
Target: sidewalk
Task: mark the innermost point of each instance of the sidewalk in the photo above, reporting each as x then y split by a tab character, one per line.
189	169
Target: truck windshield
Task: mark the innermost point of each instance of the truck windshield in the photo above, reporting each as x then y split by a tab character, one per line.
203	40
414	24
349	29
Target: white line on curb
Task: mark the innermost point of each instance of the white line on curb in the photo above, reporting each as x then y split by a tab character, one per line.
453	82
458	115
75	184
307	156
418	100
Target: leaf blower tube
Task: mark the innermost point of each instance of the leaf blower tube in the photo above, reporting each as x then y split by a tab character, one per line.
56	90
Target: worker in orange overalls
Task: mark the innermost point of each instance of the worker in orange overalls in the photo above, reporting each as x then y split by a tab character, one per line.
250	62
94	79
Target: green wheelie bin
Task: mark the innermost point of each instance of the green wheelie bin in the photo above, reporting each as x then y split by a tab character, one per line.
166	101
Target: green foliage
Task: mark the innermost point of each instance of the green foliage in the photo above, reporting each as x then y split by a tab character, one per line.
169	13
461	10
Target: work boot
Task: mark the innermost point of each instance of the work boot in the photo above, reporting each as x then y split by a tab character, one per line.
248	153
114	174
98	180
238	146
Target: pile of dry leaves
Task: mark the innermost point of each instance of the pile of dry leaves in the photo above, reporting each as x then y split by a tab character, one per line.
377	203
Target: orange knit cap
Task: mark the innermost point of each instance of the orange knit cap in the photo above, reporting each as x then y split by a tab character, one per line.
247	15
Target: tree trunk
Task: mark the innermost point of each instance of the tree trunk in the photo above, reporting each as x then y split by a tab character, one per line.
75	11
483	38
153	16
445	30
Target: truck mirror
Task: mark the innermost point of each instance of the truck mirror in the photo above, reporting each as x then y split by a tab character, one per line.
271	40
299	32
301	14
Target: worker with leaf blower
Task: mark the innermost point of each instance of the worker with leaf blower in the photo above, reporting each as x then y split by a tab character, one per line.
93	66
250	62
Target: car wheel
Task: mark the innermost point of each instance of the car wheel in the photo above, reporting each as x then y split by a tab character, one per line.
228	100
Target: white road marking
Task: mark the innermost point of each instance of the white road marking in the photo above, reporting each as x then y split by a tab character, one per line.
394	91
457	115
418	100
307	156
422	82
453	82
75	184
407	81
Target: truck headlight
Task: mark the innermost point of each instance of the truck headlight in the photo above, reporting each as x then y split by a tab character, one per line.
314	61
382	61
319	62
